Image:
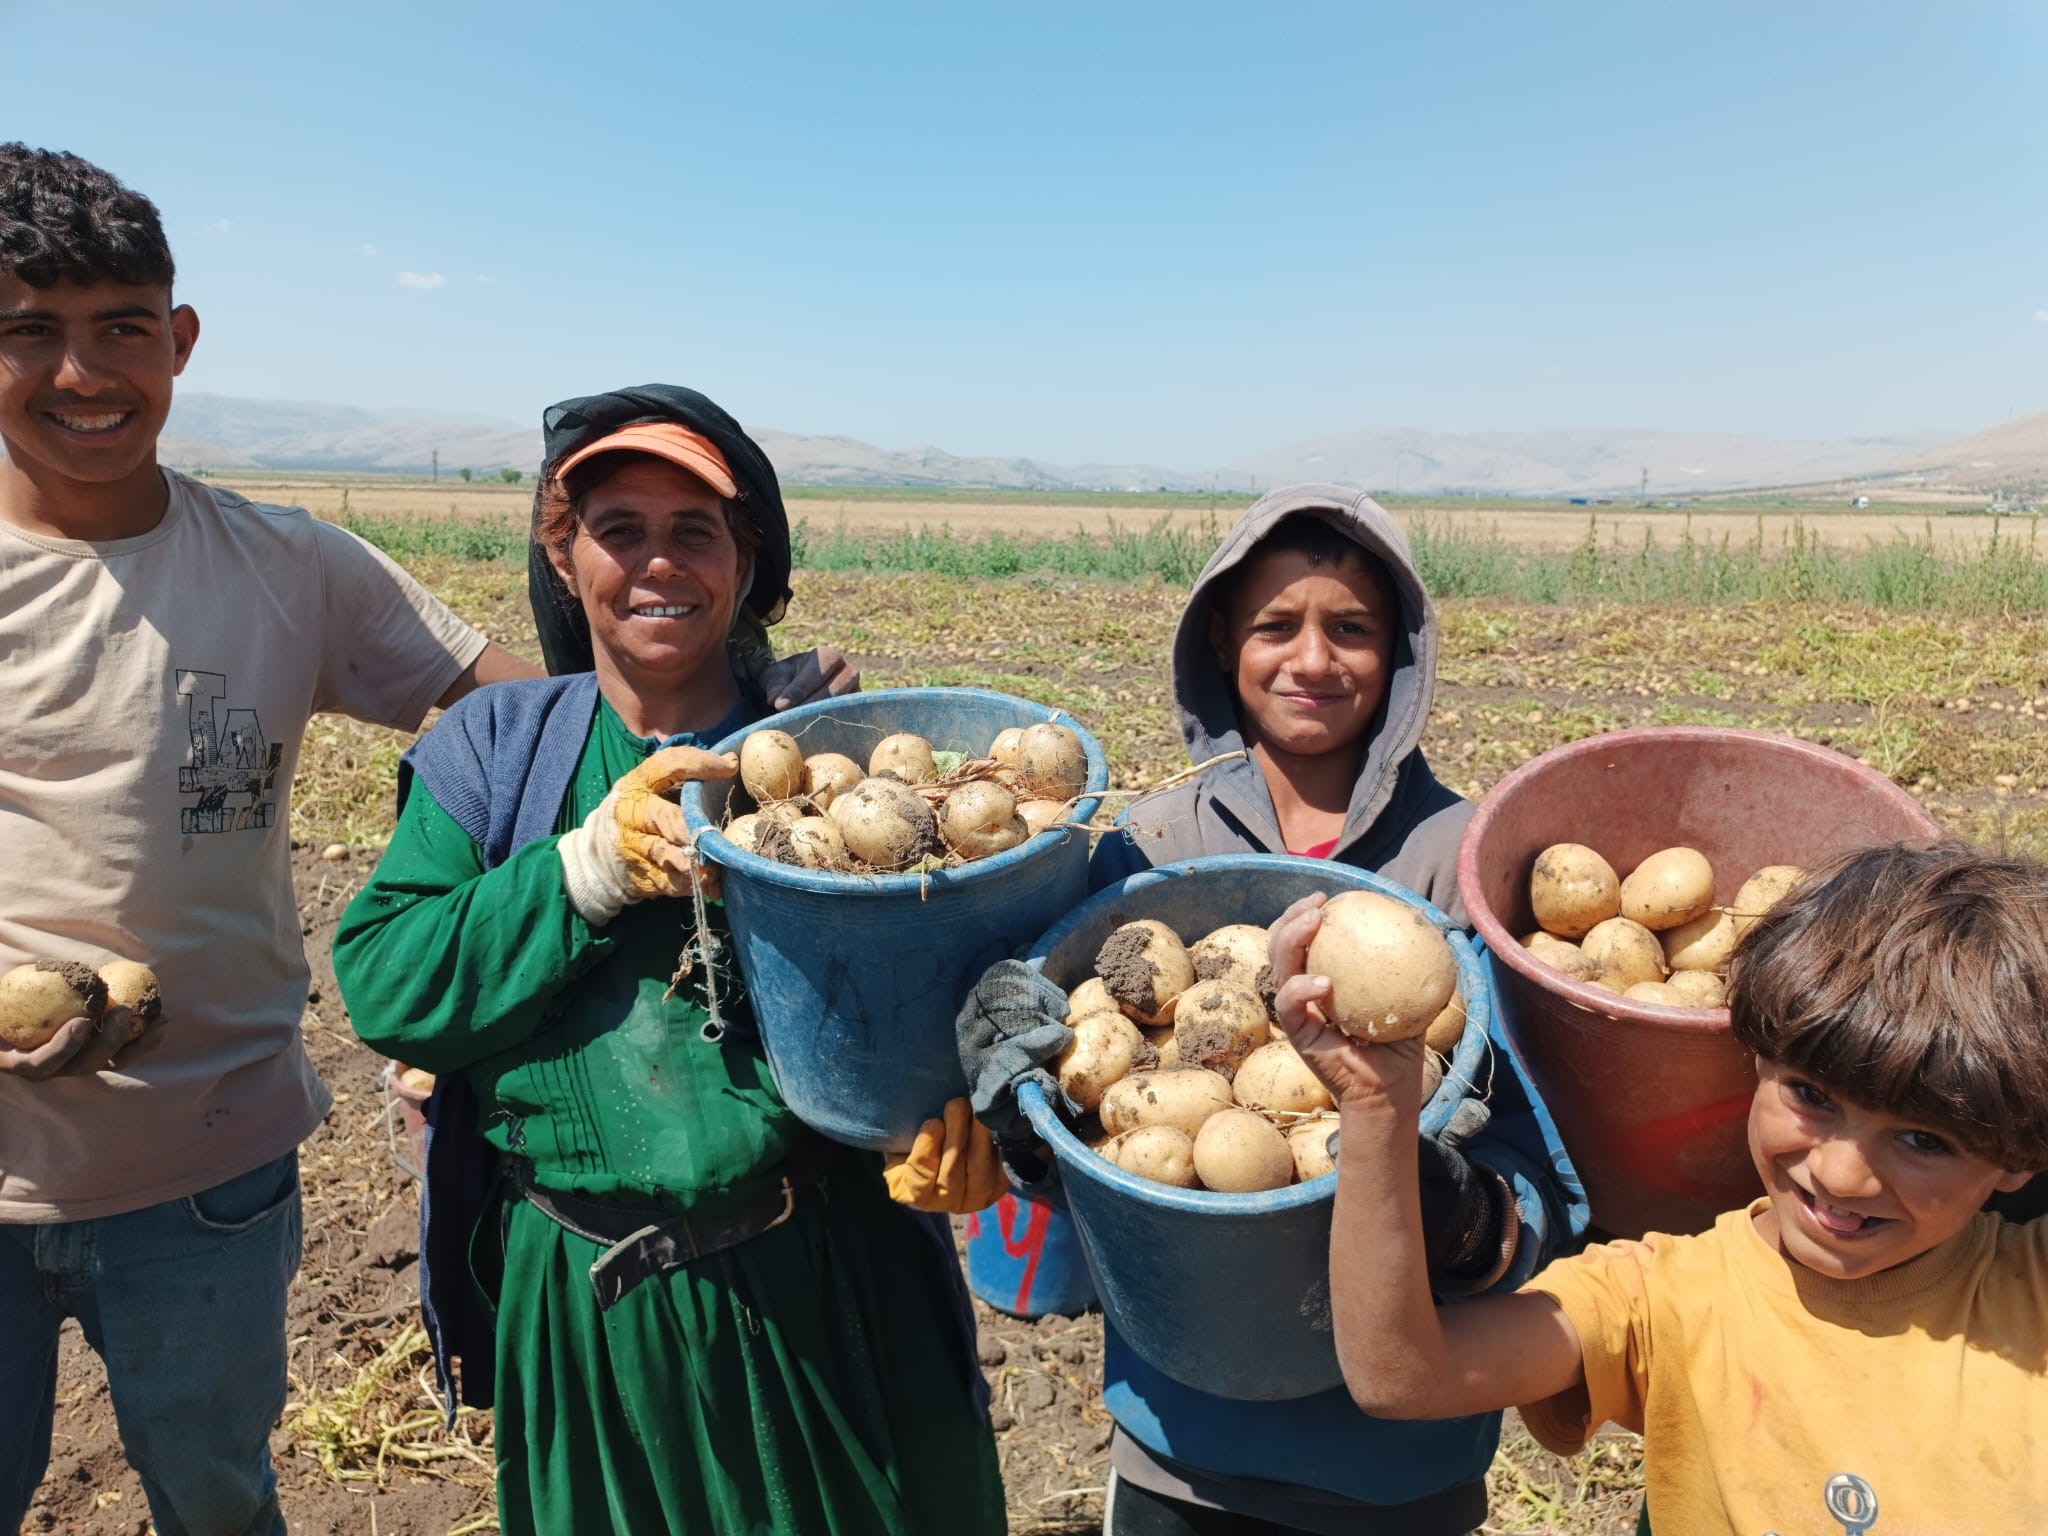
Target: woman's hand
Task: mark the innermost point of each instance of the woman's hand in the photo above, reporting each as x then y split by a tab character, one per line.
1387	1077
636	844
952	1166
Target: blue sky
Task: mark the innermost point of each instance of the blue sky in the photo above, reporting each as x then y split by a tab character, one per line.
1174	233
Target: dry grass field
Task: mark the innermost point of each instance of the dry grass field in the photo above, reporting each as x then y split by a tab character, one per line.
1955	707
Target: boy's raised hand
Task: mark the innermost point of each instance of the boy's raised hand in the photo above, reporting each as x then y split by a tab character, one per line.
1386	1077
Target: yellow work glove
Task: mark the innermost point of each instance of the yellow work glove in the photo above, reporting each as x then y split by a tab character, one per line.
951	1167
636	845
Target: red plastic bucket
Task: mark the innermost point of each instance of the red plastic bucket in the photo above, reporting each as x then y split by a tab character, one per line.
1652	1101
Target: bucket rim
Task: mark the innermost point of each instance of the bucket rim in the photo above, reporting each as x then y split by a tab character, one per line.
723	851
1072	1153
1507	950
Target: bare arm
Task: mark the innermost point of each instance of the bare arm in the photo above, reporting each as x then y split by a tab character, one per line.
494	665
1404	1357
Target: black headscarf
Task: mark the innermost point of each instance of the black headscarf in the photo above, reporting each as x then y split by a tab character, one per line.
564	633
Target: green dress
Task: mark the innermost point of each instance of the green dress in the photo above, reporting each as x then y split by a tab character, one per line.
810	1380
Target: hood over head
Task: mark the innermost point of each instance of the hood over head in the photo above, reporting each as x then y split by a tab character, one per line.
1206	699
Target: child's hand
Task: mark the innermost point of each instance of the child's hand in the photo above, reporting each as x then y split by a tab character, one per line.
1385	1077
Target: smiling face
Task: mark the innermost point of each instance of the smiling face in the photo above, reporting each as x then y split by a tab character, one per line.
1310	646
1854	1190
659	574
85	386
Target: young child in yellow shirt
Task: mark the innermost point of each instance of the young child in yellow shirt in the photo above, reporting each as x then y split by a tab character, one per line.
1863	1348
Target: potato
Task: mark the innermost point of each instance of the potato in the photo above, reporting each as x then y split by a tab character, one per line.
1180	1096
1571	888
1052	762
1668	888
1238	949
1560	955
828	775
1145	966
40	998
1704	944
1240	1153
1700	989
744	832
132	985
904	757
1391	971
1309	1145
771	766
1447	1028
1217	1024
1433	1066
1657	992
1623	952
980	818
1102	1051
417	1079
1089	997
1040	814
1761	892
1275	1078
1005	747
885	824
1164	1047
1160	1153
816	843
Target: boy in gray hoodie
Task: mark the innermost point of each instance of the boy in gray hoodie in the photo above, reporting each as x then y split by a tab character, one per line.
1310	643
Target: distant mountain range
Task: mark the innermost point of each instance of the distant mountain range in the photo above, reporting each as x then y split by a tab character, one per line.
220	432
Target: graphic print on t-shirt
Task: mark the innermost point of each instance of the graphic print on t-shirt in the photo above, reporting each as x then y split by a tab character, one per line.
230	759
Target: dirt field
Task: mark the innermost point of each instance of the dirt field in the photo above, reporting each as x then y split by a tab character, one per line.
1953	708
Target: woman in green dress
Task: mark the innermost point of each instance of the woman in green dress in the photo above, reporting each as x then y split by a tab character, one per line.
707	1319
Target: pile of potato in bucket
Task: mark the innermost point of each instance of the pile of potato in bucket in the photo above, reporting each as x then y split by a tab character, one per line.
911	808
1655	936
1178	1055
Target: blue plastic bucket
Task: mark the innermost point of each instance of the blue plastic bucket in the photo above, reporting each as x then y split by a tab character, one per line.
1229	1294
855	980
1024	1256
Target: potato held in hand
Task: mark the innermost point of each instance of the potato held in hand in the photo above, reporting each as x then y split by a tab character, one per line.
40	998
1391	971
132	985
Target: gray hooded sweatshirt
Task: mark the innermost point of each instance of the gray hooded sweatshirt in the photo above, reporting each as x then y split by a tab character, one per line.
1402	823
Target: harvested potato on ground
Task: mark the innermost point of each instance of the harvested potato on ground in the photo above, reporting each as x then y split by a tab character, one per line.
1051	761
771	766
1217	1024
1447	1028
1571	888
1089	997
828	775
885	823
1309	1145
1103	1048
1275	1078
980	818
1241	1153
1668	888
1560	955
1700	989
1761	892
1623	952
904	757
1160	1153
40	998
1704	944
1180	1096
1391	971
132	985
1238	949
1145	966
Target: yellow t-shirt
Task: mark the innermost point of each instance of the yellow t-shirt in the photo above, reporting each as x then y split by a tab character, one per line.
1772	1399
155	693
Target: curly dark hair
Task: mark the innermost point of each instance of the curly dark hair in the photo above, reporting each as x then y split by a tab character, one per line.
64	220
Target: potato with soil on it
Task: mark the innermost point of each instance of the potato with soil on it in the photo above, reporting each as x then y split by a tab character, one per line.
904	757
885	824
1217	1024
828	775
1238	1152
1391	970
744	832
133	985
1179	1096
1165	1049
1761	892
1051	761
1309	1145
41	997
1235	950
1089	997
1668	888
1275	1079
1704	944
771	766
1161	1153
816	843
1145	966
1571	888
980	818
1701	989
1004	749
1623	952
1102	1051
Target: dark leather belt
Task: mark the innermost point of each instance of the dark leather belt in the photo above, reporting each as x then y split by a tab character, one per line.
641	1241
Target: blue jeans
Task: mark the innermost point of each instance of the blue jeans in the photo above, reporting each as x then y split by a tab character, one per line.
184	1302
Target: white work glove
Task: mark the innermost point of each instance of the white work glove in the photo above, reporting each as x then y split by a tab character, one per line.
636	845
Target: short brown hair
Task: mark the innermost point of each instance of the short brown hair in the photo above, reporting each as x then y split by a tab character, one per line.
1913	981
559	502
